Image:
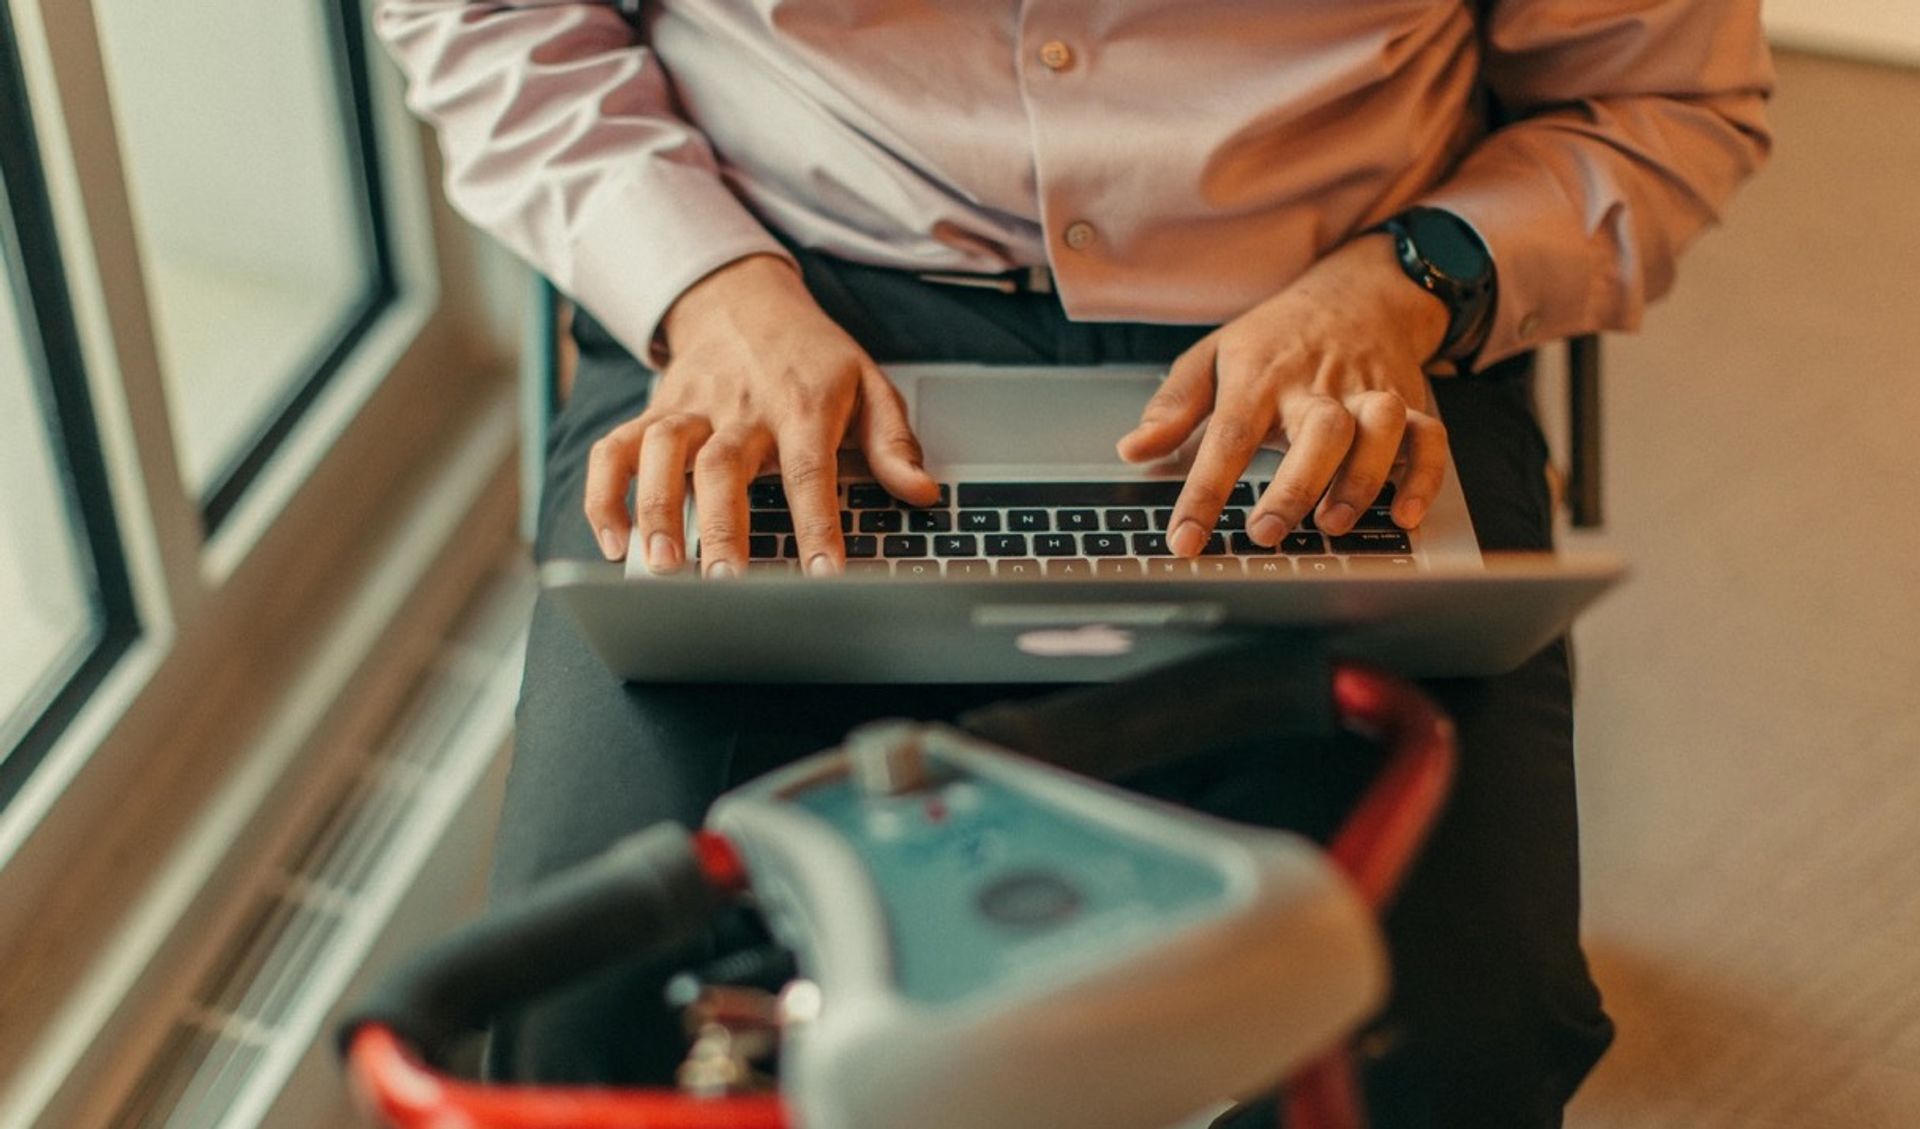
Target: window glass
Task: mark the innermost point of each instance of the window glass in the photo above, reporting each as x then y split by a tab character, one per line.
245	172
45	603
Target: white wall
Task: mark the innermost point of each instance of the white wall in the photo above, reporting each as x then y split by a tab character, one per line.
1883	30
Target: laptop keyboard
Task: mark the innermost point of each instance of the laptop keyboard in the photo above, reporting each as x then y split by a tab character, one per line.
1068	530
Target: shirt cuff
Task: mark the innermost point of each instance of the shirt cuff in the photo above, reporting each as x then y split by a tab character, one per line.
645	240
1548	267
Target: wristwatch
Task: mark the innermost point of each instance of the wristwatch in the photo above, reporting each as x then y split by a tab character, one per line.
1441	252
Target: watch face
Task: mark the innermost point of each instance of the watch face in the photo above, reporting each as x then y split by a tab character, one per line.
1448	244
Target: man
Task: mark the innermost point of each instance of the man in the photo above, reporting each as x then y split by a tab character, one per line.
764	199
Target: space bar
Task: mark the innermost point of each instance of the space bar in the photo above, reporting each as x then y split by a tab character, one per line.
1001	495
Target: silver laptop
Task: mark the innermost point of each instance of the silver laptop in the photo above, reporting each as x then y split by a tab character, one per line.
1045	560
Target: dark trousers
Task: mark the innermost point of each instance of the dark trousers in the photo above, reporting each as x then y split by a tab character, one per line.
1494	1019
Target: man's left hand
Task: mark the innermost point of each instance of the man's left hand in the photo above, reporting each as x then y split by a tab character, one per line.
1334	364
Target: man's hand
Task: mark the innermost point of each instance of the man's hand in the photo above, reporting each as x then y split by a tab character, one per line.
1333	363
759	378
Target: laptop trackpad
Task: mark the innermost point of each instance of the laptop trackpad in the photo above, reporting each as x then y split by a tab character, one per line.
1027	418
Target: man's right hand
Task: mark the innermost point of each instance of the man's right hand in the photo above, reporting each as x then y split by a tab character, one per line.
759	378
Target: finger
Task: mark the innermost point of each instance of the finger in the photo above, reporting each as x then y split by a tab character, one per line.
809	467
660	493
611	464
1183	399
1380	423
1319	431
893	452
721	471
1426	469
1233	435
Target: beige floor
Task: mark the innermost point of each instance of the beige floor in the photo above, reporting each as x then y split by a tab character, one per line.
1750	705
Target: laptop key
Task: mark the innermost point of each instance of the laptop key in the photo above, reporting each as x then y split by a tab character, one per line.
1105	544
1269	566
868	496
903	545
1069	568
862	545
868	568
1028	521
1218	568
770	521
790	548
1123	521
920	569
945	502
1006	545
1162	519
1303	544
881	521
1376	518
1017	569
1373	541
1054	545
763	547
1242	494
1319	566
1231	519
1168	566
930	521
974	569
766	494
1216	546
980	521
1150	545
956	545
1246	546
1118	566
1079	521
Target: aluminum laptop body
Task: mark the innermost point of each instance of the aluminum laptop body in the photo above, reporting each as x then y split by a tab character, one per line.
1433	606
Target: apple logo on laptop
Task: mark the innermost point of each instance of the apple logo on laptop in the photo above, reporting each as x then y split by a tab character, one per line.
1095	640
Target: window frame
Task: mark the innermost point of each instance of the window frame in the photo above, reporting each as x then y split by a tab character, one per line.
30	253
213	725
346	40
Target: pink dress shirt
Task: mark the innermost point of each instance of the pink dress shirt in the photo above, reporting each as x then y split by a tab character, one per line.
1173	160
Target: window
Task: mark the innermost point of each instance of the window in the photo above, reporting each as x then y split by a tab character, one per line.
256	200
63	593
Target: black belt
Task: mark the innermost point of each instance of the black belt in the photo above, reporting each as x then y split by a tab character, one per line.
1025	280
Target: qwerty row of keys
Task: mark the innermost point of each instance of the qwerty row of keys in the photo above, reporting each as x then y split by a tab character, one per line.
1081	568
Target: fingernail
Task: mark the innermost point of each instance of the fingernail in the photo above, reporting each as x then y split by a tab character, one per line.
662	554
722	570
1338	517
610	545
820	565
1266	529
1188	539
1412	510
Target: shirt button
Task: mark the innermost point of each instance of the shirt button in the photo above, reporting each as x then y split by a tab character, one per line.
1529	325
1079	235
1055	55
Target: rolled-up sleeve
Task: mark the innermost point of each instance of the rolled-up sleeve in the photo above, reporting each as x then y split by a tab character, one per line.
1631	125
560	139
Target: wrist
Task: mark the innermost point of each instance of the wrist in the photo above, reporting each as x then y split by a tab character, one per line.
712	303
1422	314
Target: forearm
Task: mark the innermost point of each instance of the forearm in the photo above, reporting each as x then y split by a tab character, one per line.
1634	129
560	139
